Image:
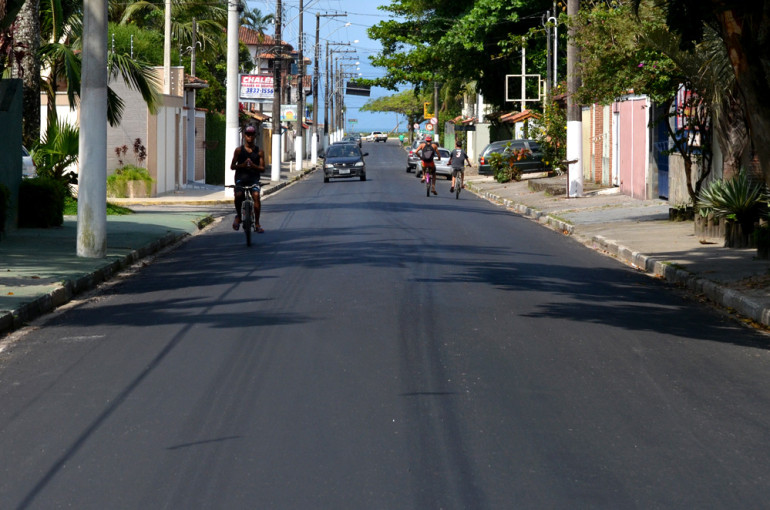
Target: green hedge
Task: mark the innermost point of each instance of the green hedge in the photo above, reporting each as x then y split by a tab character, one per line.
215	148
41	203
117	183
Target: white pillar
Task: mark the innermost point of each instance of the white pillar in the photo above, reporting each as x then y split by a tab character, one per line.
299	148
275	170
575	153
92	190
232	135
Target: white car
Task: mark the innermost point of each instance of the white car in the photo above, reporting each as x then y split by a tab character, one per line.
378	136
28	169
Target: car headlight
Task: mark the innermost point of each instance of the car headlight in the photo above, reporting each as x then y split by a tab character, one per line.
360	163
328	166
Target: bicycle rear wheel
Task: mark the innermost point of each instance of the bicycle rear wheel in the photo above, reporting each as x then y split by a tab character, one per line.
427	184
247	220
458	187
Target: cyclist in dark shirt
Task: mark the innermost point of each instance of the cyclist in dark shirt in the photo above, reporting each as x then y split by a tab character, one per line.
248	163
457	159
428	166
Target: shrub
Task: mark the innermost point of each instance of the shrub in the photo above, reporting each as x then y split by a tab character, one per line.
41	202
504	166
117	183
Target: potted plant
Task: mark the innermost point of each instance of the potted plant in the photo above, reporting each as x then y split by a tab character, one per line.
740	201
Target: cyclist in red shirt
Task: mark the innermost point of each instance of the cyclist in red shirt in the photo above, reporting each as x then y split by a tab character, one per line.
428	151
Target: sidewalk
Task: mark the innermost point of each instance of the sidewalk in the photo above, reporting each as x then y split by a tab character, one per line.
39	270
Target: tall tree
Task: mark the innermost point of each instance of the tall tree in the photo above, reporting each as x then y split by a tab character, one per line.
255	20
744	27
27	67
462	40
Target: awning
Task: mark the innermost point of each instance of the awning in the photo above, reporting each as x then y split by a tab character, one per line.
515	117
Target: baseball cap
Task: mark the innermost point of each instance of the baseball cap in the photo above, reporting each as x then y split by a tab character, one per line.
250	130
428	138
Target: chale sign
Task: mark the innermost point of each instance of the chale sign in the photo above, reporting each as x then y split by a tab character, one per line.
255	87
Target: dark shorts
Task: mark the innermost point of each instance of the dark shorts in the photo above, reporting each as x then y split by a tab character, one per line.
456	172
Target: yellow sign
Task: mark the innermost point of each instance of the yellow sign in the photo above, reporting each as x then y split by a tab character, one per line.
425	111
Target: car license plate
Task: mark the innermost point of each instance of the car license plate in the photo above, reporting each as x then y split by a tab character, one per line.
344	171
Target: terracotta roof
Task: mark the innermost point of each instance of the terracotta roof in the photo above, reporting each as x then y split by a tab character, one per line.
515	117
261	117
253	38
460	120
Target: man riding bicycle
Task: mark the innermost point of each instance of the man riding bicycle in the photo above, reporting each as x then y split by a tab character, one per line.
248	163
428	151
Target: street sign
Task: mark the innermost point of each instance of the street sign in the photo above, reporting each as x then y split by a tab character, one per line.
255	87
416	126
429	127
434	121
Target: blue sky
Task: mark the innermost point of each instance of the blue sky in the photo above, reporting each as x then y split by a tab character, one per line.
361	14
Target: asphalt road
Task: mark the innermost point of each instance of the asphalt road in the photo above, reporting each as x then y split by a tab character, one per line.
377	349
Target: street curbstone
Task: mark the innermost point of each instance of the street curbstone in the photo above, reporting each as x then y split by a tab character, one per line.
713	291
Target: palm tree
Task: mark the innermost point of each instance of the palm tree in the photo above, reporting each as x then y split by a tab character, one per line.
255	20
63	30
210	18
27	67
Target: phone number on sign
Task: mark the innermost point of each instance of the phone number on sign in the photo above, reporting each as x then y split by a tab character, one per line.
257	90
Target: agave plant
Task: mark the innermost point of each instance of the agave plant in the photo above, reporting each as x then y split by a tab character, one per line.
739	199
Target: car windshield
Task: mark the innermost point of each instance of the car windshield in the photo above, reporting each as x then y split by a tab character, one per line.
342	151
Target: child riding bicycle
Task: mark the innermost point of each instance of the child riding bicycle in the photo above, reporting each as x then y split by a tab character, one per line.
457	159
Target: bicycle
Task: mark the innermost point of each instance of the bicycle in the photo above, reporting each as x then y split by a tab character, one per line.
459	183
247	210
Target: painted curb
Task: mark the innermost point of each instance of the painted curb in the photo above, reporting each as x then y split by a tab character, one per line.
724	296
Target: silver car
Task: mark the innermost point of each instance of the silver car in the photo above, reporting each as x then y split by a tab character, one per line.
28	169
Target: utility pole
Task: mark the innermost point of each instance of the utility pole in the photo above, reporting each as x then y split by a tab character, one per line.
326	100
314	143
275	172
435	110
232	135
92	196
167	50
548	55
574	115
299	140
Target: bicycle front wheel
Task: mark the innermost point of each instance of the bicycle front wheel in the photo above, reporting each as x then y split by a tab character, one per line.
247	220
427	184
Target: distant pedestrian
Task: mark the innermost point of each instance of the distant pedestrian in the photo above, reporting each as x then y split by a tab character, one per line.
457	159
248	163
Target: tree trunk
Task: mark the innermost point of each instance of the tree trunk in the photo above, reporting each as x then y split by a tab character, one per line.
746	32
26	44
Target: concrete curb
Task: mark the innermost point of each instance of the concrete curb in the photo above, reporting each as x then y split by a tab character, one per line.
723	296
266	190
68	289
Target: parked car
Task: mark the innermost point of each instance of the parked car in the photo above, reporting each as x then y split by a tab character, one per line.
412	159
351	139
28	168
378	136
344	161
442	165
532	163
